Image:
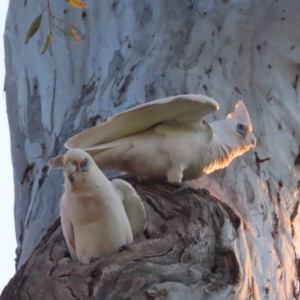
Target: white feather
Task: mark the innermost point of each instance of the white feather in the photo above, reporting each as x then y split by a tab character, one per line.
167	138
133	205
93	217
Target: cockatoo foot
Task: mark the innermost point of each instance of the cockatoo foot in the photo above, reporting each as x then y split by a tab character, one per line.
124	247
182	187
143	180
151	180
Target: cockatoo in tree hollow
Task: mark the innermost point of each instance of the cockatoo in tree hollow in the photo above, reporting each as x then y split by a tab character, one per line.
98	216
168	138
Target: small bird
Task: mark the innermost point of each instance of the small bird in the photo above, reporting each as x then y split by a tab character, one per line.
168	138
98	216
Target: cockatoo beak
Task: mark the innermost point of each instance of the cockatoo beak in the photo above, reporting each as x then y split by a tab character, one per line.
250	140
71	169
253	141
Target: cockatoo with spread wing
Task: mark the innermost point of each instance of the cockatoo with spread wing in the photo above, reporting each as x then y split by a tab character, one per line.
98	216
168	138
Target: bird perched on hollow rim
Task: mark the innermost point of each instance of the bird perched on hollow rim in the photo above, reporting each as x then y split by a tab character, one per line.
168	138
98	216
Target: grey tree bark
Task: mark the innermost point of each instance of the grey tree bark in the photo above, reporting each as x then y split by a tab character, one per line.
137	51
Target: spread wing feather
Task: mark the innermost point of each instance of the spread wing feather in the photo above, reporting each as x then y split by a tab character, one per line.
176	109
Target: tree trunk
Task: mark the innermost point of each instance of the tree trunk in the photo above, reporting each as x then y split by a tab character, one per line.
186	252
137	51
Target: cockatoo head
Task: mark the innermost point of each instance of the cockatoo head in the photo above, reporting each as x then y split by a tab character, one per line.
235	132
237	136
77	164
239	130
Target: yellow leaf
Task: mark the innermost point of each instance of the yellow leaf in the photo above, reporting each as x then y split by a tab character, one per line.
35	25
48	42
66	33
77	3
75	35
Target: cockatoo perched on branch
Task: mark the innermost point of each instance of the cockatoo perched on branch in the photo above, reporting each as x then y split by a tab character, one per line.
98	216
168	138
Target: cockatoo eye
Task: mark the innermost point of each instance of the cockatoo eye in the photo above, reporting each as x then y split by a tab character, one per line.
84	165
240	128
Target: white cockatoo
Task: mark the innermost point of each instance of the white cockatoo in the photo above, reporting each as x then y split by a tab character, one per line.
98	216
168	138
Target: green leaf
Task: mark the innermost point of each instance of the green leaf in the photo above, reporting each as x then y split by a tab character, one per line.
47	43
35	25
66	33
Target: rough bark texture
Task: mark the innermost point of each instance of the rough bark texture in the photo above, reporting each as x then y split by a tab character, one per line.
186	253
136	51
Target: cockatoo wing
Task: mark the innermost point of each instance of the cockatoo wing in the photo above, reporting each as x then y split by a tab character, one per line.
56	162
133	205
176	109
68	231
